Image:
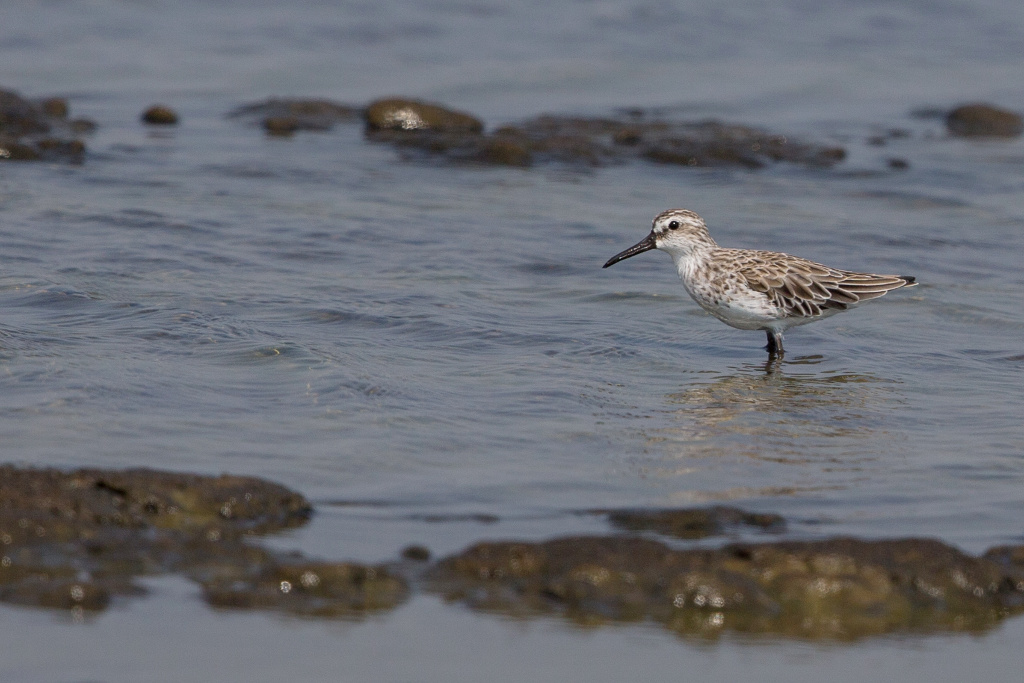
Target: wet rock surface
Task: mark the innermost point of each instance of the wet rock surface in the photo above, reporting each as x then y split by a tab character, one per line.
78	539
430	130
836	589
692	523
39	130
400	114
300	586
984	120
603	141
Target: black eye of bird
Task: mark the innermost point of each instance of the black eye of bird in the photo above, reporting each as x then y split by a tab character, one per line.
674	225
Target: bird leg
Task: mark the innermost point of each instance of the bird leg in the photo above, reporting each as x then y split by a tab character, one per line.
774	346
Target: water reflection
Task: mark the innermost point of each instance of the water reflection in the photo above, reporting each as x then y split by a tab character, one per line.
783	412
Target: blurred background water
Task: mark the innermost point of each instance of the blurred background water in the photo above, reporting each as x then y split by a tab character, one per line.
411	341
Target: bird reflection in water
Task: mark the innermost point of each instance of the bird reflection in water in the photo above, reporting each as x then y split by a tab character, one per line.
778	413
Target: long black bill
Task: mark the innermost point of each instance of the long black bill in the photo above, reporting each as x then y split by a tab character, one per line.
646	244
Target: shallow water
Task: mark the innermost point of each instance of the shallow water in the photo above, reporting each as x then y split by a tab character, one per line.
408	341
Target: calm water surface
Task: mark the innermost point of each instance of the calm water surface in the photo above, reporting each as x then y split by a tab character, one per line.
404	340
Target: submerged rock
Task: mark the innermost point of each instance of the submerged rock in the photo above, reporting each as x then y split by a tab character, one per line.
322	589
838	589
984	120
34	131
77	539
692	523
281	125
594	141
433	130
284	116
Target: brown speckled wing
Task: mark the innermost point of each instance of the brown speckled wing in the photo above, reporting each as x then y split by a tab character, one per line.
804	288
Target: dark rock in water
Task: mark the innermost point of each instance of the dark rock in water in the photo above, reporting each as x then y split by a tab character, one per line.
55	107
692	523
12	150
1009	556
55	148
835	589
82	126
628	136
702	143
898	164
397	114
32	131
592	141
19	117
160	115
281	125
984	120
416	553
504	152
419	128
75	539
281	116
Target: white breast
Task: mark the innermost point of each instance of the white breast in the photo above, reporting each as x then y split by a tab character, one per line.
726	297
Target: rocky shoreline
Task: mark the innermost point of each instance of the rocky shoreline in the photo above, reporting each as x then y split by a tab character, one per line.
32	130
78	540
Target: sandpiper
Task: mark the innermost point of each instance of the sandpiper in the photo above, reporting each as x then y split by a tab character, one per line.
756	290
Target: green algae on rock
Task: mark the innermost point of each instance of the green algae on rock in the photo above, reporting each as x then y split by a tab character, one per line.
839	589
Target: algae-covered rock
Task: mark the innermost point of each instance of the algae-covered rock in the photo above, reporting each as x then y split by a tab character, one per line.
432	130
400	114
984	120
590	141
76	539
52	504
839	589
